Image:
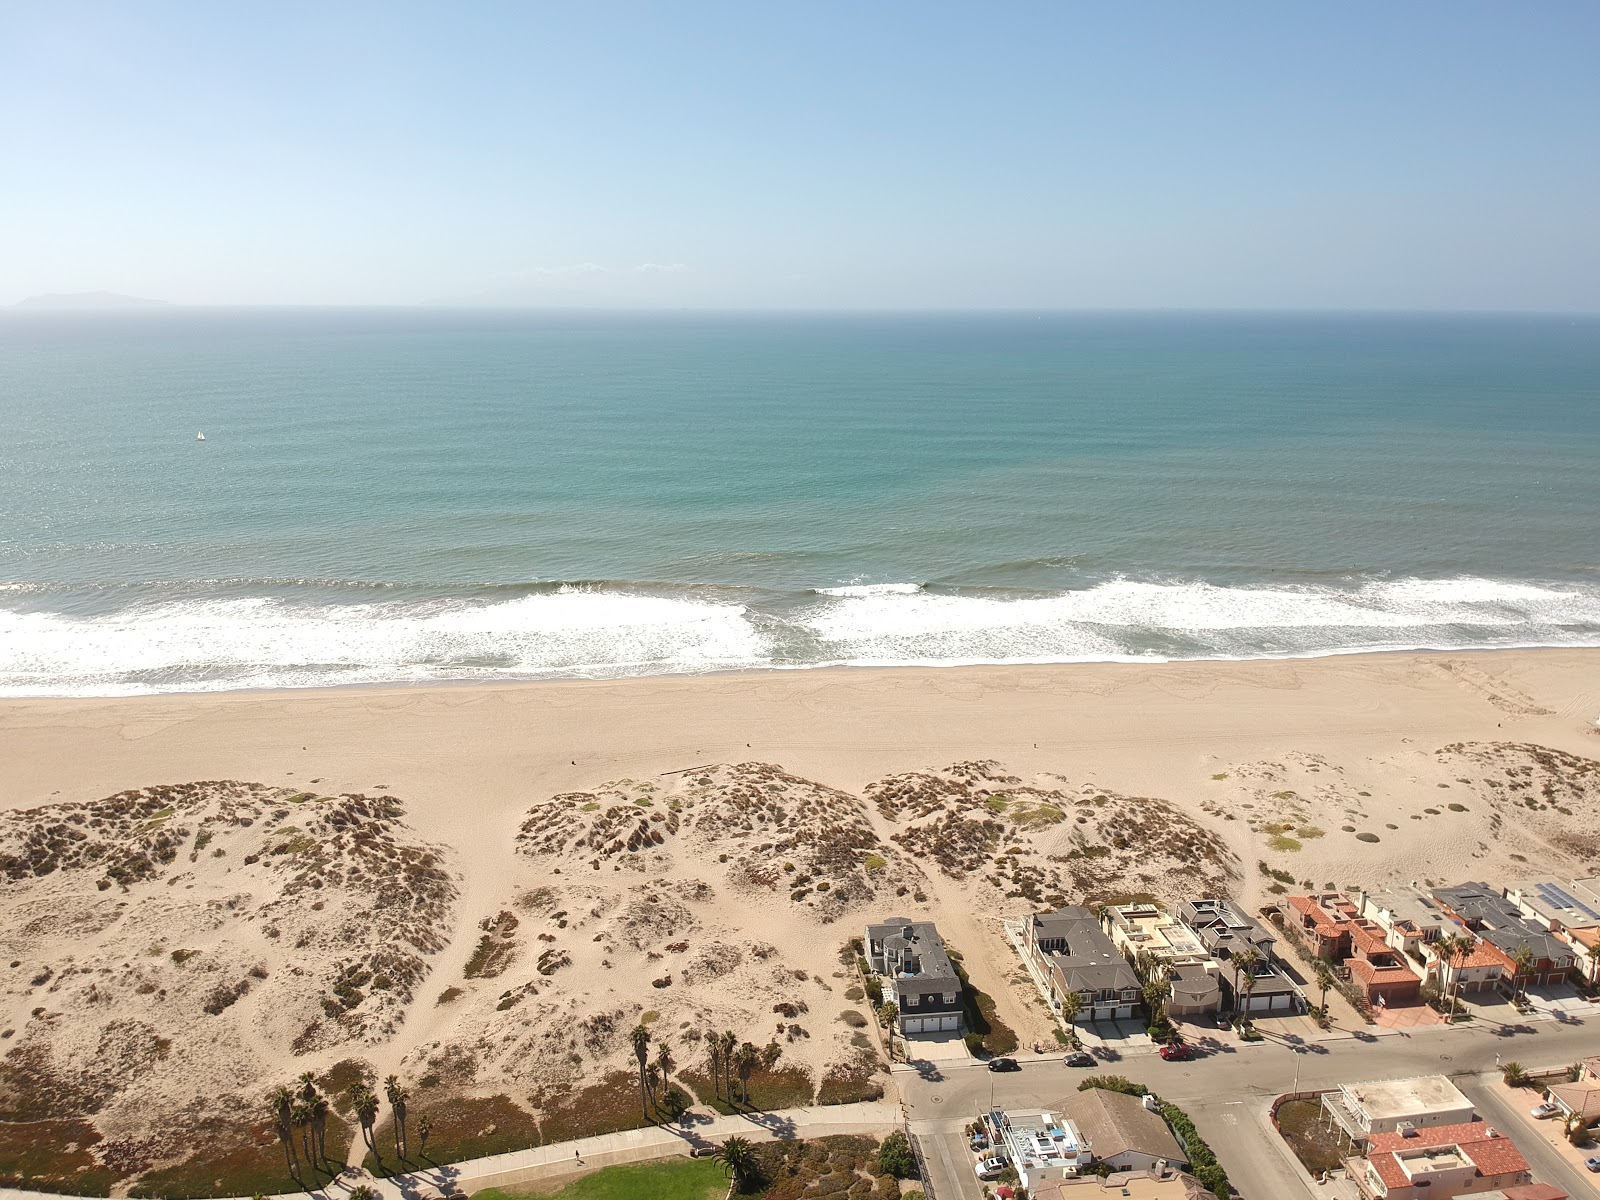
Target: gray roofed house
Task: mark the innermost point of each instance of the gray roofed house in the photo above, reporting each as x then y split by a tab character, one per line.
919	976
1122	1132
1227	931
1498	921
1075	955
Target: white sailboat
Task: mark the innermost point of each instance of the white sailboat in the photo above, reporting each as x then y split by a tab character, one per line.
199	437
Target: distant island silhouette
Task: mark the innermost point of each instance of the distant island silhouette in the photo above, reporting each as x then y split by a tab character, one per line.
87	300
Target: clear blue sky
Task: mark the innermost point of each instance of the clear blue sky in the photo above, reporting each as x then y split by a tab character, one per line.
1259	155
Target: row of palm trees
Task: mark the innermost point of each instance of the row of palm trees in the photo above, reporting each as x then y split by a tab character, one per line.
303	1110
727	1058
1456	948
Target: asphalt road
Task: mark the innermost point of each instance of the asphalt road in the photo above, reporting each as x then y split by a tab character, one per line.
1226	1090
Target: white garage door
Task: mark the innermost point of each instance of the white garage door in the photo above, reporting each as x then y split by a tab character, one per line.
913	1025
950	1021
1281	1002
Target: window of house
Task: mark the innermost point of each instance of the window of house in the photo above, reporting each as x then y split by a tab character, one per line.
949	997
911	1000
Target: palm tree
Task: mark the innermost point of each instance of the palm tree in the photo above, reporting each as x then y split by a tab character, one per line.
424	1128
1071	1006
282	1104
665	1063
397	1106
745	1060
1155	992
714	1057
308	1086
1521	963
1244	974
364	1192
319	1125
738	1158
365	1103
729	1041
641	1051
1324	981
300	1118
1456	949
652	1080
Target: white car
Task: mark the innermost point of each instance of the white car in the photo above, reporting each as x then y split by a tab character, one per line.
991	1168
1546	1109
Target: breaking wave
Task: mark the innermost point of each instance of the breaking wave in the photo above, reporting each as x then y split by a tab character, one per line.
208	642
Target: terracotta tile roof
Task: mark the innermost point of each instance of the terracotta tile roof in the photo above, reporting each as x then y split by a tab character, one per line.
1535	1191
1492	1155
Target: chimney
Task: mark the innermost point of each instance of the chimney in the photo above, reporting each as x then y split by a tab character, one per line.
905	932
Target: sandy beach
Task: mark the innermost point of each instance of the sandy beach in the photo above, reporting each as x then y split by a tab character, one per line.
483	888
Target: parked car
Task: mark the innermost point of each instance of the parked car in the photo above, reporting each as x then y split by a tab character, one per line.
1544	1109
1004	1064
991	1168
1079	1059
1593	1163
1177	1052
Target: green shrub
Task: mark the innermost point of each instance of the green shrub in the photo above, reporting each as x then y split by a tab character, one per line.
1203	1164
1114	1083
895	1158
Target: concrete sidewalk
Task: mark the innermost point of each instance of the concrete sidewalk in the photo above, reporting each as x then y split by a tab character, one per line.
565	1160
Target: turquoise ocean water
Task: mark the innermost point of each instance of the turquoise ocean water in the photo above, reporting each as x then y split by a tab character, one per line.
415	495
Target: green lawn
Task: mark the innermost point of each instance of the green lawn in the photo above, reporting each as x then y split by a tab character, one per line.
670	1179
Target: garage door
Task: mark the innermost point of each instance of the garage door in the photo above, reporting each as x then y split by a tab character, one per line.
1281	1002
951	1021
913	1025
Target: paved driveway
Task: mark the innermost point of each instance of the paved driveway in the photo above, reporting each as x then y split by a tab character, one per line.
934	1047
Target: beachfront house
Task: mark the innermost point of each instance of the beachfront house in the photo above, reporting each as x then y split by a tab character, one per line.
1331	925
1571	911
1041	1146
1074	955
1505	934
1439	1163
1148	933
1390	1105
1227	934
1125	1132
918	975
1409	920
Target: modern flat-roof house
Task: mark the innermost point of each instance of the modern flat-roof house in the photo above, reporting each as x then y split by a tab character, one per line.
920	978
1225	931
1387	1105
1500	925
1041	1146
1124	1132
1149	931
1558	905
1075	955
1439	1163
1331	924
1409	920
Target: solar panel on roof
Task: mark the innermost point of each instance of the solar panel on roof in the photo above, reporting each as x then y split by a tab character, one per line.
1555	894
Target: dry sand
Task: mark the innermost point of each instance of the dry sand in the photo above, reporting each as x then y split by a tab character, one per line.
611	848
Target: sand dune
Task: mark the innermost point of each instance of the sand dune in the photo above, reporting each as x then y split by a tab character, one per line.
486	888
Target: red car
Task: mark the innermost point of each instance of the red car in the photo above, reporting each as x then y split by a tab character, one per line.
1177	1052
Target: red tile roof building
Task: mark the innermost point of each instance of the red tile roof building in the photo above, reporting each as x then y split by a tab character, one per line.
1336	931
1439	1163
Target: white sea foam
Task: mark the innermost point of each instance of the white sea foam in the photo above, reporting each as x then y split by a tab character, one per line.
241	643
217	644
870	589
1121	617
